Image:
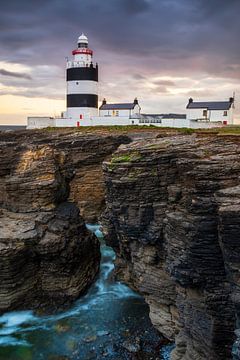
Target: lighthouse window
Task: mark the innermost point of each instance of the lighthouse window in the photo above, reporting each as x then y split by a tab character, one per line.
77	83
82	45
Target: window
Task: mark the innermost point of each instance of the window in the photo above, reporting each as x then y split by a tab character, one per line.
117	113
82	45
205	113
225	113
114	113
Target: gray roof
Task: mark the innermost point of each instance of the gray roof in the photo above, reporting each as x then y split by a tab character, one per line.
166	116
123	106
210	105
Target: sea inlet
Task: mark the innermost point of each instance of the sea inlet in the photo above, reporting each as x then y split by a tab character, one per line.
109	322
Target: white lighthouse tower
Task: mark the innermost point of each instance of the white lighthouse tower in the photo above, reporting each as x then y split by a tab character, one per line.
82	84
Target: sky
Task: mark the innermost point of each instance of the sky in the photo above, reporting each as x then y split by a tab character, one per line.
160	51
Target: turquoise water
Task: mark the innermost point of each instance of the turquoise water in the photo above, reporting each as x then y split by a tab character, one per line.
103	324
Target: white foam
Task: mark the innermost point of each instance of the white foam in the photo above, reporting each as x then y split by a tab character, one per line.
12	341
17	318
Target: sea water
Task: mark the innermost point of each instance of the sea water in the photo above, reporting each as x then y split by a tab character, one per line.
103	324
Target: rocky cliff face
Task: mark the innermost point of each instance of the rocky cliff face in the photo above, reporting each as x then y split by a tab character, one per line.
172	215
47	256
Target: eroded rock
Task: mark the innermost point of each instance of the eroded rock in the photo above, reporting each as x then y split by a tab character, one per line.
47	256
173	217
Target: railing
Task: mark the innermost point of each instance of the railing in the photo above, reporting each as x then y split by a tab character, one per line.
71	64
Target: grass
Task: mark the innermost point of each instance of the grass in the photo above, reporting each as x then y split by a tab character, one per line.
225	130
124	158
128	157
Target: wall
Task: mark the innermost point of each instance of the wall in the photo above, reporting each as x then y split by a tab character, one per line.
124	113
175	123
214	115
63	122
74	113
184	123
37	122
82	87
111	120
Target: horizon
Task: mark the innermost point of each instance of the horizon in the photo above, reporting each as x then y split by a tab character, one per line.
166	52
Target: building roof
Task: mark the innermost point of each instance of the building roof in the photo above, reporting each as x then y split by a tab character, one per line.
210	105
123	106
165	116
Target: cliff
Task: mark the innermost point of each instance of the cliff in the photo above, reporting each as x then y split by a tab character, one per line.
47	256
172	215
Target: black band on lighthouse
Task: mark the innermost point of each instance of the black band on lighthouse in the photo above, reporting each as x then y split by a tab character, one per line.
82	73
82	100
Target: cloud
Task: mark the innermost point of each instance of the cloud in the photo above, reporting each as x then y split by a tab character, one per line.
138	77
164	83
136	42
134	7
160	90
15	74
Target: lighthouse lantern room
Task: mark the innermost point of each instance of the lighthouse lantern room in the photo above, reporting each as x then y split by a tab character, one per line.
82	84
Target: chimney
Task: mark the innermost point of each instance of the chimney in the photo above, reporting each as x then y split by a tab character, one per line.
135	101
104	102
231	100
190	100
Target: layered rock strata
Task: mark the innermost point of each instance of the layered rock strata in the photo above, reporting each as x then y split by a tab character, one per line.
47	256
172	215
62	165
47	259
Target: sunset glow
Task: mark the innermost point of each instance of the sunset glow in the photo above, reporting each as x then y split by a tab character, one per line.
162	52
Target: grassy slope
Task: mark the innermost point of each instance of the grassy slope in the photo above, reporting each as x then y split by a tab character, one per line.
226	130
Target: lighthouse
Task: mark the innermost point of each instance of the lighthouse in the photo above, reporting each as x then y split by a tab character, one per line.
82	84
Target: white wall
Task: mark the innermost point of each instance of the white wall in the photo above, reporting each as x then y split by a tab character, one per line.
74	113
121	112
124	113
193	124
184	123
212	115
82	87
43	122
162	122
176	123
61	122
112	120
40	122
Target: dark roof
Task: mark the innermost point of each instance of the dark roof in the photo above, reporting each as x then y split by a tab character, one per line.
210	105
166	116
123	106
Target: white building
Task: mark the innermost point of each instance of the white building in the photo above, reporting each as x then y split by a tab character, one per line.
211	111
164	120
82	103
118	114
82	84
